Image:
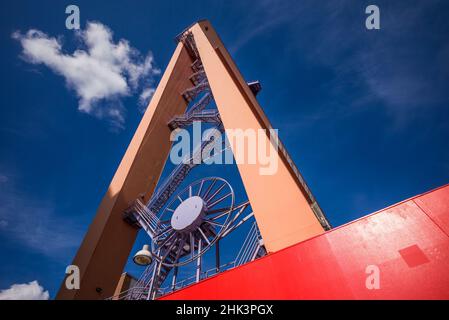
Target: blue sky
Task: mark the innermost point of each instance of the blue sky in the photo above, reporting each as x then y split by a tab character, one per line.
364	114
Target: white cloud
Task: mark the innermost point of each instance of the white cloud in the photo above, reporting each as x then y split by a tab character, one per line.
98	71
145	97
24	291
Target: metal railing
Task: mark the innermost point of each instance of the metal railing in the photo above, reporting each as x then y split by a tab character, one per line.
250	247
129	294
193	279
249	251
140	290
146	218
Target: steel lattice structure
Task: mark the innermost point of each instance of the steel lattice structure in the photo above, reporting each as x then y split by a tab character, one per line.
183	227
200	84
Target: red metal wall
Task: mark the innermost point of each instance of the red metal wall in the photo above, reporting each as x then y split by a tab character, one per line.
409	242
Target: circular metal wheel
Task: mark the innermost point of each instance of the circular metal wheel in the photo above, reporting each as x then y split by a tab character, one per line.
193	221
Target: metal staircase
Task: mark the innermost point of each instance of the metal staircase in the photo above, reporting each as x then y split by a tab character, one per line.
206	116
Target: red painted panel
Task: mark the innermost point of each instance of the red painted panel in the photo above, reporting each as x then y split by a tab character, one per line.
407	242
436	205
413	256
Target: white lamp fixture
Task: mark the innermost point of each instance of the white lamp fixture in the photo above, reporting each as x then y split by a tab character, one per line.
143	257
